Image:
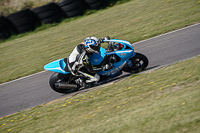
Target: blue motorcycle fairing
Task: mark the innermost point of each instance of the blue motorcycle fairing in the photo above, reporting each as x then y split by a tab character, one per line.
57	66
129	62
122	42
115	71
96	59
123	54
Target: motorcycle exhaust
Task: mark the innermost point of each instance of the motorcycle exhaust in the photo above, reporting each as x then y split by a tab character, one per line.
63	85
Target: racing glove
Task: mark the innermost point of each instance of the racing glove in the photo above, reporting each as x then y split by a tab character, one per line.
101	40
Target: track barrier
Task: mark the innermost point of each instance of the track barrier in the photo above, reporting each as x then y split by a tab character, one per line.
27	20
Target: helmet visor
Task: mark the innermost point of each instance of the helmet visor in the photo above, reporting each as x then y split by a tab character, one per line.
95	48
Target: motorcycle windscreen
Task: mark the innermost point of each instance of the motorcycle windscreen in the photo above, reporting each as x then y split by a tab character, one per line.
57	66
96	59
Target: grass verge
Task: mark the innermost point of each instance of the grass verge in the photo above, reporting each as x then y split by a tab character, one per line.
165	100
133	21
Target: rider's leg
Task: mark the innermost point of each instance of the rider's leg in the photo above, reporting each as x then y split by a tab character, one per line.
92	77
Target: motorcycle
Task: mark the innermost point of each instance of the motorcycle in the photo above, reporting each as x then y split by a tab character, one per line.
119	53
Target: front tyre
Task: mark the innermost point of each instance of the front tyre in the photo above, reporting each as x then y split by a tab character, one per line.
139	63
54	79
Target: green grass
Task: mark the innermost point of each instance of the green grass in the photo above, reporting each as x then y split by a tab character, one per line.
162	101
133	21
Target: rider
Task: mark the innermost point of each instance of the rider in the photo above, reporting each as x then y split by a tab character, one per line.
79	59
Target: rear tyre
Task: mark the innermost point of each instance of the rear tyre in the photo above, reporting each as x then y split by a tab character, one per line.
54	79
139	63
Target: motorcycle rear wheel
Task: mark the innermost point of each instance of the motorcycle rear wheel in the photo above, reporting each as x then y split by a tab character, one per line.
139	63
55	79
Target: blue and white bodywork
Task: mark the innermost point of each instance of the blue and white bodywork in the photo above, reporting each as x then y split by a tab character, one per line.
57	66
119	54
124	54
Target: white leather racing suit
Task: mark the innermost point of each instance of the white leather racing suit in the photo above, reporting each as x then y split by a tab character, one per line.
78	59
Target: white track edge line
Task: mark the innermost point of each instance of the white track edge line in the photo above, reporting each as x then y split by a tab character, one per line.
22	78
166	33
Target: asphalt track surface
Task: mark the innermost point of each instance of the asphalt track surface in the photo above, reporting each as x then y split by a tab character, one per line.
34	90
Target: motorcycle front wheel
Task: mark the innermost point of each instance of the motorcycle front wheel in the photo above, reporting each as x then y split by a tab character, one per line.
55	79
139	63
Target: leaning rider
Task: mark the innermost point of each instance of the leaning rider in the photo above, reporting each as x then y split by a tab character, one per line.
79	59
